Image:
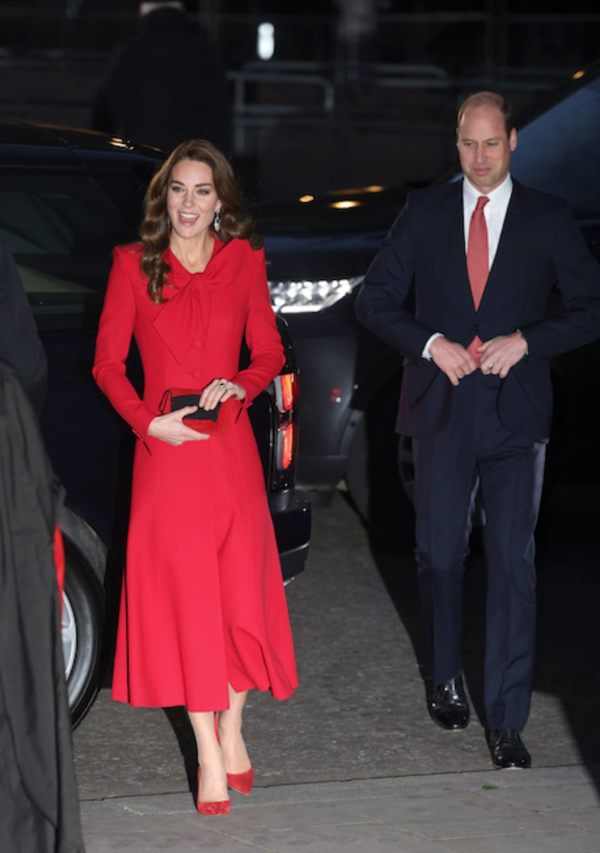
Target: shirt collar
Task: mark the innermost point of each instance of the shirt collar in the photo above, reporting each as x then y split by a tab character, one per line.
500	194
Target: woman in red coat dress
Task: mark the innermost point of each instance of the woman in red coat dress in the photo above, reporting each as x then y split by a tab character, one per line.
203	614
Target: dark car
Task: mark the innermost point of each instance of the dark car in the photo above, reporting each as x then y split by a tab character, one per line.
66	198
319	249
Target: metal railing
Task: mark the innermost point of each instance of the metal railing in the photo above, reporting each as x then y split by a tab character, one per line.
49	85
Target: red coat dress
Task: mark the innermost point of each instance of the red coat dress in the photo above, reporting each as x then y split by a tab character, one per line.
203	602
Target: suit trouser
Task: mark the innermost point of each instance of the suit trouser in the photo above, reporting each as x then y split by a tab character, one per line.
475	448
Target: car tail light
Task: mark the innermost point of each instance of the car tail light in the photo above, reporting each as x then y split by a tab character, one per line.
287	446
287	391
286	386
286	396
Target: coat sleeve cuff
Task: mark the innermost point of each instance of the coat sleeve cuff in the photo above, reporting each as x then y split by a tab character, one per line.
141	421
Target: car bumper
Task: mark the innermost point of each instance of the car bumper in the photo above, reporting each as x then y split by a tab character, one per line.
292	531
321	472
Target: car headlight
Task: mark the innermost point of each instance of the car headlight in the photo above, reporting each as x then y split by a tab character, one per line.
291	296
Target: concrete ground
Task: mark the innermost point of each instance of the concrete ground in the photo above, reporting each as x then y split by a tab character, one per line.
551	810
353	760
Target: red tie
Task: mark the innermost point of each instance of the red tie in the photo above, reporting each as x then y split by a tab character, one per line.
477	261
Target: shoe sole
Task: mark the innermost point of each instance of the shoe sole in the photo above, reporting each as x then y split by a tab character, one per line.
457	728
511	766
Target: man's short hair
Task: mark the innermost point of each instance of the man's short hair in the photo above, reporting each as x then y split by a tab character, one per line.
488	99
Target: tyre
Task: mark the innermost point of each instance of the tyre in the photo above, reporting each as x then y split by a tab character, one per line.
82	623
356	475
372	477
406	467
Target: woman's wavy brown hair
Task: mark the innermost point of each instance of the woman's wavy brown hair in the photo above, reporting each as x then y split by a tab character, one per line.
155	229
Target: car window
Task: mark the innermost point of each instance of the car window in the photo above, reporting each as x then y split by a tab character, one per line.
559	152
61	225
124	185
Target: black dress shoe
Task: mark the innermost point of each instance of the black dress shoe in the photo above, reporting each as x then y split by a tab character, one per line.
448	705
507	749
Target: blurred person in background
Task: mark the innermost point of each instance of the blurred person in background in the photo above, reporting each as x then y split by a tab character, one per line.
357	23
165	84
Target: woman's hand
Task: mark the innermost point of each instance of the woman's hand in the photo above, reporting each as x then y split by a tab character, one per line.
171	429
220	390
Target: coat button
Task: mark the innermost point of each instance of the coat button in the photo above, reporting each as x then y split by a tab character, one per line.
197	343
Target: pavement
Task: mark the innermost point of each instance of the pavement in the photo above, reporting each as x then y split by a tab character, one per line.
555	810
353	761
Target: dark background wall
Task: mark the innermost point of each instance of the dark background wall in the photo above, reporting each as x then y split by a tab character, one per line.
325	110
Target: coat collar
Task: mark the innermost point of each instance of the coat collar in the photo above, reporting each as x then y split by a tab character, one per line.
179	275
182	321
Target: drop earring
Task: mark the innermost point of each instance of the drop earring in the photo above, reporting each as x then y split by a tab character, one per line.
217	220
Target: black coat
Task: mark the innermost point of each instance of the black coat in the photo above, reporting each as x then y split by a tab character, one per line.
20	345
39	811
165	85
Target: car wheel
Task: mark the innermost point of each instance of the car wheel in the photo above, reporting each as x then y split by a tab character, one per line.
356	471
406	467
372	475
82	622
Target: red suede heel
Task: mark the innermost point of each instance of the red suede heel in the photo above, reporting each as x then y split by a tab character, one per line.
221	807
241	782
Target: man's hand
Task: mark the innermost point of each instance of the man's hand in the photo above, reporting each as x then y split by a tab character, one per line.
499	354
452	359
170	427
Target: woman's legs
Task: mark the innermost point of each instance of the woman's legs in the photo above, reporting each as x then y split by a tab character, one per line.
217	759
213	779
234	752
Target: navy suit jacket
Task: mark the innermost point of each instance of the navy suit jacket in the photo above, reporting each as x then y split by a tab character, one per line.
541	246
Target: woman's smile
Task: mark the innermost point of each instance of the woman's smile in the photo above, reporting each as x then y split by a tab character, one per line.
192	200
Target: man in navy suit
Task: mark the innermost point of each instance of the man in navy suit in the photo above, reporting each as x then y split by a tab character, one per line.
483	255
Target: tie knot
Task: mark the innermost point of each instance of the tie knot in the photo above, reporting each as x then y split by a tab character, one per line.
481	202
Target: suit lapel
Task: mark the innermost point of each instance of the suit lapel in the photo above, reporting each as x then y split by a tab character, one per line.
455	234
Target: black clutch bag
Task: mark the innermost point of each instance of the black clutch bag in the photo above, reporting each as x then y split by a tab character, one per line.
217	421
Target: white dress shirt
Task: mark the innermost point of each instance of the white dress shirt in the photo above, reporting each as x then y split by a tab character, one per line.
495	214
